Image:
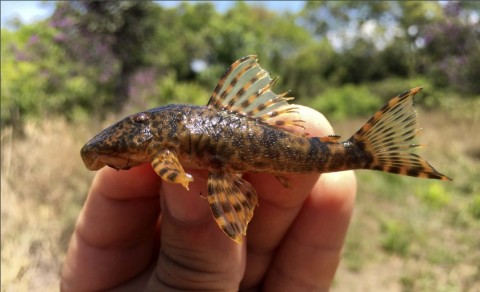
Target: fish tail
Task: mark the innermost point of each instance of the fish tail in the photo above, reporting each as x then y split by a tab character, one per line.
386	140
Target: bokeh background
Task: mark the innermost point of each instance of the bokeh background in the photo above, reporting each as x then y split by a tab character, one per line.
79	66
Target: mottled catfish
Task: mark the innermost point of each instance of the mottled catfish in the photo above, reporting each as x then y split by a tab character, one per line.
239	131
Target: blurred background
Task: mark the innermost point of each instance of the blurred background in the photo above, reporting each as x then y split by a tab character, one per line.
69	69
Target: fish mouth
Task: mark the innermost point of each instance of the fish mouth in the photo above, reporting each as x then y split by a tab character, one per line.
95	159
119	162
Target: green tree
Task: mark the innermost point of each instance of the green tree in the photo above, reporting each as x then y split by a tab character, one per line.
38	79
119	31
248	29
450	49
360	31
325	16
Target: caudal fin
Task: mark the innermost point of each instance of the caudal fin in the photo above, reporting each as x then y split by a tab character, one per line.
387	138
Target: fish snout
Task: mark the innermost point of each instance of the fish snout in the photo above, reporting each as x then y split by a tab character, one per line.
90	157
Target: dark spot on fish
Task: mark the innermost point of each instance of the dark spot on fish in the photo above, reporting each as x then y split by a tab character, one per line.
237	207
163	171
228	231
413	172
394	169
172	176
210	189
215	211
315	145
227	208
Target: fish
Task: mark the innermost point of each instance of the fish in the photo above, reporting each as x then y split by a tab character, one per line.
244	129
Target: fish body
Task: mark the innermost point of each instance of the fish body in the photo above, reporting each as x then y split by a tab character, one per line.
210	139
239	131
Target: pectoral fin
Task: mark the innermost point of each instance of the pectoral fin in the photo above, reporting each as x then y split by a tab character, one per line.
232	201
167	166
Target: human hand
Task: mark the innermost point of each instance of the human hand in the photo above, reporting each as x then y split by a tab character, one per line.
130	238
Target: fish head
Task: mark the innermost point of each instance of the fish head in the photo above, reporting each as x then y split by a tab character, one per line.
122	145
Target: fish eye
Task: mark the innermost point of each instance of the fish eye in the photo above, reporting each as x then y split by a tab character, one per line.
140	118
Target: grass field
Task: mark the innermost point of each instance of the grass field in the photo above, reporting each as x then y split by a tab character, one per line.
406	234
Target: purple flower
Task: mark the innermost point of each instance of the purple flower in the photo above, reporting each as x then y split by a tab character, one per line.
33	39
21	56
60	37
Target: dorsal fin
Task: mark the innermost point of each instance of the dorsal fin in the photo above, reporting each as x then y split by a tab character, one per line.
245	89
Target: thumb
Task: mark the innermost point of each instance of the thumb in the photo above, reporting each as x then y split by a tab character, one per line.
194	253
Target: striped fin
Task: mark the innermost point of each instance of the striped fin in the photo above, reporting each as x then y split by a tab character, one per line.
167	166
388	136
232	201
245	89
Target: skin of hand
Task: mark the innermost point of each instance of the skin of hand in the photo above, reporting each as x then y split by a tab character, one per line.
136	232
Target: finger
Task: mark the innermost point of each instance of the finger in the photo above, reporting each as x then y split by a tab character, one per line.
113	240
279	205
309	256
195	254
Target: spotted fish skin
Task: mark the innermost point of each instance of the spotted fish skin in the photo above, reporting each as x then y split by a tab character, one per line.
217	140
213	140
238	132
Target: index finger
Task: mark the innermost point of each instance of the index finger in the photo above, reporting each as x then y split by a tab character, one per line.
114	236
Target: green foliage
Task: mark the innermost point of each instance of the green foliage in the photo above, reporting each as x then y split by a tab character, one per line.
434	195
396	237
182	35
307	73
36	81
442	256
172	91
475	207
450	48
419	13
93	56
325	16
358	64
390	87
346	101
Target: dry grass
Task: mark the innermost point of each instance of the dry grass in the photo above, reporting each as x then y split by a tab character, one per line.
43	185
44	182
418	235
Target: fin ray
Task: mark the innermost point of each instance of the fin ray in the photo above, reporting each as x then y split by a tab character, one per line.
232	201
167	166
388	136
246	89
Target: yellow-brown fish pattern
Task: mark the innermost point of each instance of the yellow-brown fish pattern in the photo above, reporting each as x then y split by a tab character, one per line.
238	131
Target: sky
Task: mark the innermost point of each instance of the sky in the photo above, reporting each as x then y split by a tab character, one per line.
27	11
30	11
